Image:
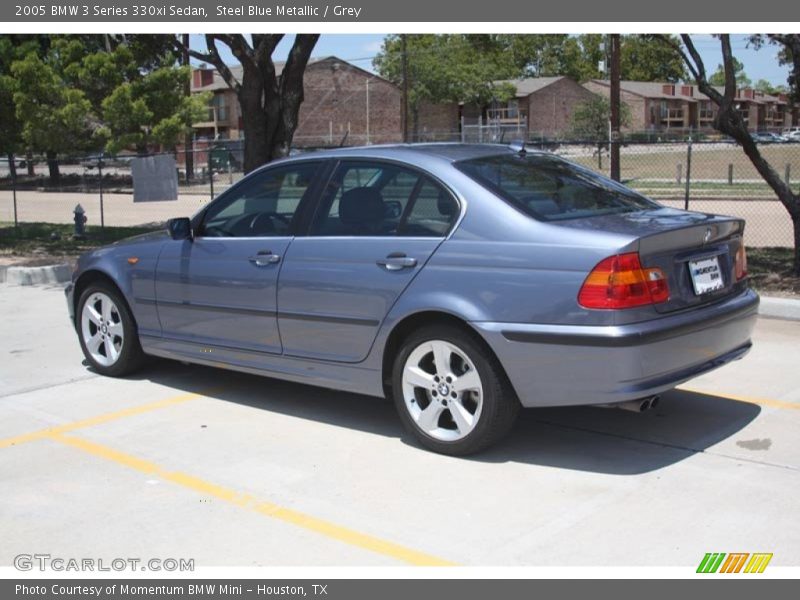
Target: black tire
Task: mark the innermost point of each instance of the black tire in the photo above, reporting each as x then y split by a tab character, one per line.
130	356
500	405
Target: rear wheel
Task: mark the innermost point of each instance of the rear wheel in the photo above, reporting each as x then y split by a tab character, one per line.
107	332
451	393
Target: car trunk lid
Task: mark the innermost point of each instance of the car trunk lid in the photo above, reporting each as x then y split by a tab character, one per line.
696	251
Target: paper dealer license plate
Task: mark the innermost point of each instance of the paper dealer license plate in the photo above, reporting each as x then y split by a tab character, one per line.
706	275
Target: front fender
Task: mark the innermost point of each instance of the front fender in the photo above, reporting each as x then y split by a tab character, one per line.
135	278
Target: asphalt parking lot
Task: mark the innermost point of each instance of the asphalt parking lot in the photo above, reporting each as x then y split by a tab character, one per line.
232	469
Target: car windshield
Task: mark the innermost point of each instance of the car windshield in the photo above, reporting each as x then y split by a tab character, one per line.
548	188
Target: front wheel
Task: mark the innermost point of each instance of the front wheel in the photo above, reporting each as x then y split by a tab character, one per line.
107	332
451	393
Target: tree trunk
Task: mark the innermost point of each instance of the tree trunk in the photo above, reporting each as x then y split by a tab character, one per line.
29	163
269	125
52	165
796	266
730	122
257	147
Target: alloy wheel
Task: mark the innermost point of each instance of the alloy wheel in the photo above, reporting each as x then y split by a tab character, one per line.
102	329
442	390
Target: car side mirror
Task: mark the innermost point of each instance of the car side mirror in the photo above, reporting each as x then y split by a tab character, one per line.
180	228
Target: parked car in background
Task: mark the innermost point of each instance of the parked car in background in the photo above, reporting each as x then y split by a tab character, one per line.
793	136
463	281
768	138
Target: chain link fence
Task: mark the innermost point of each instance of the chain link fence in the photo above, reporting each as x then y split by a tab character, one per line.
704	176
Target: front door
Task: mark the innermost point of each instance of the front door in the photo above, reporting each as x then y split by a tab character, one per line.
219	289
376	226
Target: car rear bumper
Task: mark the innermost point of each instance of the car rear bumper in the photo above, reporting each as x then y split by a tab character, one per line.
558	365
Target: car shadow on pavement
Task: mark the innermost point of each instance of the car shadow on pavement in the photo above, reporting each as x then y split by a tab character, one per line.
610	441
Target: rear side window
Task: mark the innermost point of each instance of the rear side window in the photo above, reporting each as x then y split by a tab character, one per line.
383	199
551	189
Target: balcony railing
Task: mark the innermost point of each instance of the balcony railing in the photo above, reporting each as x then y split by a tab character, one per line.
672	114
506	115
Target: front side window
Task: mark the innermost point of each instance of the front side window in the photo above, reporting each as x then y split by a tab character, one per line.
262	206
548	188
381	199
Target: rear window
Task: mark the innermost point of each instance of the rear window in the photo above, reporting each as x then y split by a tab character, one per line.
551	189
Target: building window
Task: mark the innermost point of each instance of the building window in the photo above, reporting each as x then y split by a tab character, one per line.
218	110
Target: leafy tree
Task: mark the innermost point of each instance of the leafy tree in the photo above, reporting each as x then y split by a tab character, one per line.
590	121
270	102
53	117
448	68
151	110
81	92
718	78
644	58
136	89
788	54
12	48
762	85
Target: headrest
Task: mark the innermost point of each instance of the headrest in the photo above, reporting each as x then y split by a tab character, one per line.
361	206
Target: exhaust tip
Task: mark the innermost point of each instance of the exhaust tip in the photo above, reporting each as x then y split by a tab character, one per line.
655	401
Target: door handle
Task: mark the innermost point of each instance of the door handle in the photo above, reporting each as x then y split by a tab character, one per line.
264	258
397	261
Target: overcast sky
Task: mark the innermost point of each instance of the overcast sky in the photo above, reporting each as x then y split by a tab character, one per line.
361	48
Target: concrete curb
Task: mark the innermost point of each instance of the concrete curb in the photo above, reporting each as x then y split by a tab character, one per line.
779	308
35	275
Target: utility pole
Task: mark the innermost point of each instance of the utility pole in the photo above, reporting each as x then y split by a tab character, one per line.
188	151
404	103
615	99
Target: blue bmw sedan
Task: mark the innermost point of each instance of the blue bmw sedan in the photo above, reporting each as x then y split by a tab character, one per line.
462	281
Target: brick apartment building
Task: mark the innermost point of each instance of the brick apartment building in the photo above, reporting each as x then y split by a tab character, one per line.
342	102
542	106
658	106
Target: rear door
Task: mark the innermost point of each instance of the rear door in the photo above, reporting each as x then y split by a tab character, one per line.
375	228
219	289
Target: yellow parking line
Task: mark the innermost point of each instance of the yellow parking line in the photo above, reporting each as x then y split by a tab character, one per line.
99	419
275	511
749	399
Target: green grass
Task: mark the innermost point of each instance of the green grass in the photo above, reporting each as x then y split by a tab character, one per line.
707	163
38	238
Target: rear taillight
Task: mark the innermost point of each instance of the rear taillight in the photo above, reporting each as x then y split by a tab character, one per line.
621	282
740	266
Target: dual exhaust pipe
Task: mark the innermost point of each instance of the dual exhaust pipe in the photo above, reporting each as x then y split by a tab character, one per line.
638	406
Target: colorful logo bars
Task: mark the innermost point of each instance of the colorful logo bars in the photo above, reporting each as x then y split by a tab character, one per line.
735	562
